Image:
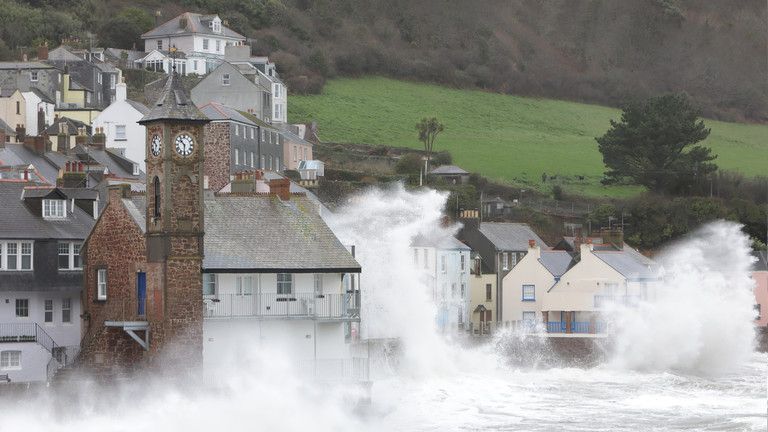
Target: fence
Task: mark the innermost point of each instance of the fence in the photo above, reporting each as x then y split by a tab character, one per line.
272	305
27	332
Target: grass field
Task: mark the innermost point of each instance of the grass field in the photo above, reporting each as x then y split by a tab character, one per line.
506	138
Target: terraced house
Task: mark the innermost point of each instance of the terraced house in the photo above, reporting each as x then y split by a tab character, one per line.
41	276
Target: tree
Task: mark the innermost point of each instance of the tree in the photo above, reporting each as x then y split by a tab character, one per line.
428	129
654	145
124	29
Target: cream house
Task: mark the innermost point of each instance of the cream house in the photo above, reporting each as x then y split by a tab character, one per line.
567	294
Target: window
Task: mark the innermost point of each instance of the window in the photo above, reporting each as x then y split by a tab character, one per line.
443	266
295	153
18	107
463	262
205	44
209	284
16	255
120	132
10	360
26	256
101	284
253	133
244	285
194	64
253	160
218	46
237	157
12	256
463	290
69	256
263	135
270	162
48	316
156	200
415	256
54	208
112	81
66	310
529	318
318	283
262	166
488	292
216	27
284	283
277	163
426	258
504	261
22	308
33	76
136	169
160	45
225	79
277	90
513	259
453	289
278	111
529	293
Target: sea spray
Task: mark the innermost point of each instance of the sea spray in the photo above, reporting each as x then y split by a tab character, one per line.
700	319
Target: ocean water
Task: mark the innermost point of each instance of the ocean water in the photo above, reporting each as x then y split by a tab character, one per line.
683	361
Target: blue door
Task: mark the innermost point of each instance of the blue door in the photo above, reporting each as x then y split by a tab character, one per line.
141	292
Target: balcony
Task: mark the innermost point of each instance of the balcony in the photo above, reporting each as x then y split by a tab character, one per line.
329	307
577	327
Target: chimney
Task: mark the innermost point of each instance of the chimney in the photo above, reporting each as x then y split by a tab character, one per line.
99	139
585	248
81	138
578	239
73	176
42	51
533	249
40	121
62	138
281	187
117	192
36	144
121	91
243	183
614	237
21	133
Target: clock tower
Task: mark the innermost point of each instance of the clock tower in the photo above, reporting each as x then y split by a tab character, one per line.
174	222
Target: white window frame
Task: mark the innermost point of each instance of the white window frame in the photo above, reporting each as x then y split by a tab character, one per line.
74	261
112	81
101	284
504	261
54	208
284	284
218	45
160	45
120	132
209	284
277	163
66	310
463	263
21	250
444	263
21	304
318	283
237	157
33	76
244	285
527	317
10	360
531	295
206	44
48	311
253	160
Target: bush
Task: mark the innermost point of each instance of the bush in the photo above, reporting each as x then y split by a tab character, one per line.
409	164
442	158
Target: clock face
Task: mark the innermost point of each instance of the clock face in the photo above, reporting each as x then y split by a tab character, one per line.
184	145
156	145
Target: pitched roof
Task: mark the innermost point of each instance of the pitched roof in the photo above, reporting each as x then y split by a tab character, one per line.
630	263
438	241
218	111
25	65
556	262
193	23
174	103
138	106
7	129
509	236
23	220
448	169
270	236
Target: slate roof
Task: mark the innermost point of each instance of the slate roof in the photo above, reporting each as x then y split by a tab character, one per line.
448	170
630	263
22	221
438	241
8	130
24	65
138	106
174	103
72	126
270	235
292	137
762	261
218	111
556	262
17	154
195	23
507	236
44	97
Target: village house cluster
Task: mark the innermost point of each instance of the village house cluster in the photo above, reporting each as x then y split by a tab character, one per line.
135	235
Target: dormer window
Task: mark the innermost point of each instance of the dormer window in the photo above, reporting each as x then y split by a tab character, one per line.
216	25
135	169
54	208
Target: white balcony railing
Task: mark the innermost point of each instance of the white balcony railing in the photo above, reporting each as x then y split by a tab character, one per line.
280	306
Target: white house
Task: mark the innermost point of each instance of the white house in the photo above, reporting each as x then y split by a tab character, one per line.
570	294
265	71
445	265
164	61
41	278
39	111
119	123
202	38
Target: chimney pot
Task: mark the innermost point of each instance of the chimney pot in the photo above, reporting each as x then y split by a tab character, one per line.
531	243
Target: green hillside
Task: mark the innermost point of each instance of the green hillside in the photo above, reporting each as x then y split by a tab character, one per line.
507	138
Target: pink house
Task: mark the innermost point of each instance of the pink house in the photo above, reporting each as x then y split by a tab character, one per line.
760	274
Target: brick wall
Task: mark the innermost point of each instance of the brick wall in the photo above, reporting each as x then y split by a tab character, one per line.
217	154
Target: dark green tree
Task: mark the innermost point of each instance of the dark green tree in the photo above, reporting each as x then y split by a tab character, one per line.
654	145
428	129
124	29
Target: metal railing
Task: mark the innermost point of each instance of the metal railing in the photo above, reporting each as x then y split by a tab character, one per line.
556	327
271	305
27	332
131	309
